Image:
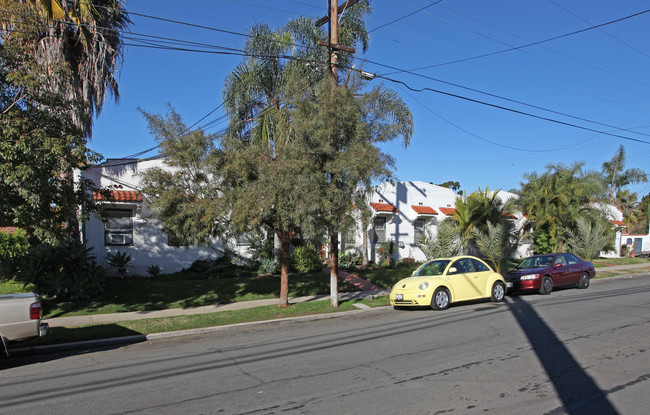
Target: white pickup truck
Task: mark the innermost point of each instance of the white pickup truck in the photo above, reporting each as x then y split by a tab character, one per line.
20	318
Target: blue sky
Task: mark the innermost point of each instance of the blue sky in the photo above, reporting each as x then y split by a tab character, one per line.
598	75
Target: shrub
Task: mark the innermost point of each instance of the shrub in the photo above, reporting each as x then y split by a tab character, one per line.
385	252
67	271
305	259
350	260
269	266
119	261
154	271
407	262
12	246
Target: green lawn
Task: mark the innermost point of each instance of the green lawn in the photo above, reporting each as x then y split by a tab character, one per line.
177	291
60	335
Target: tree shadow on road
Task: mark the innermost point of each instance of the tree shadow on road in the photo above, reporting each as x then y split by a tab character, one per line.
575	388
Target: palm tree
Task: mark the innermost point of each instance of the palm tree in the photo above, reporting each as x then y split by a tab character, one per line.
497	243
474	212
555	199
589	238
616	177
80	37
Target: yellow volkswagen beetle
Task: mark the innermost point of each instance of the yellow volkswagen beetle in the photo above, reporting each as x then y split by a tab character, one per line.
443	281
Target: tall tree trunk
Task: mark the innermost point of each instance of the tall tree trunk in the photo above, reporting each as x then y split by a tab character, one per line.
285	244
334	270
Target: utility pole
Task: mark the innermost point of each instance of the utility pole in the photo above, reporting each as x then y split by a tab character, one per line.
333	48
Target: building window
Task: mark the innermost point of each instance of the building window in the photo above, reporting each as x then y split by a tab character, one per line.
246	239
379	226
118	228
349	237
418	230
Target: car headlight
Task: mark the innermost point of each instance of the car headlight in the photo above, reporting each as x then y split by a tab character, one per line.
424	285
529	277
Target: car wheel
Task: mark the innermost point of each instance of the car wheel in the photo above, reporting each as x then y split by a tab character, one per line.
547	285
584	281
441	299
498	292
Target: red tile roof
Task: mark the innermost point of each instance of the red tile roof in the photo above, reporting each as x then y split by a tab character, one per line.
618	223
120	196
508	215
8	229
384	207
424	210
448	211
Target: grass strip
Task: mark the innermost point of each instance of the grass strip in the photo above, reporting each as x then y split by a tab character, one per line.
60	335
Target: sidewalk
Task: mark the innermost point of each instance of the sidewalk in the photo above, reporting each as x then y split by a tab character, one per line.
367	288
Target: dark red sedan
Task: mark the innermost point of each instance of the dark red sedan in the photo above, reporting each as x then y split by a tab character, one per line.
543	272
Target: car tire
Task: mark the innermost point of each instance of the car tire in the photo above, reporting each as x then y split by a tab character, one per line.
547	285
584	281
441	299
498	292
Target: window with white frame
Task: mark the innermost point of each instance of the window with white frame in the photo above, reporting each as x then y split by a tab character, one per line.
118	228
418	230
379	226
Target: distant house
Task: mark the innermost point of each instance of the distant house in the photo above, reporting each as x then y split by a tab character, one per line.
404	211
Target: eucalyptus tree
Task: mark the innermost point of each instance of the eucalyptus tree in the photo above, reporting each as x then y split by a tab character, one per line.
616	177
256	93
343	125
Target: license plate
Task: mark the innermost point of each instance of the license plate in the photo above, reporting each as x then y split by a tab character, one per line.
399	297
509	284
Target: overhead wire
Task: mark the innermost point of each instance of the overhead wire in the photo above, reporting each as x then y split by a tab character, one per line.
467	98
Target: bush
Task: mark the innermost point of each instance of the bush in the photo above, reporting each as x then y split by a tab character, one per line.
350	260
67	271
305	259
119	261
385	252
12	245
269	266
407	262
154	271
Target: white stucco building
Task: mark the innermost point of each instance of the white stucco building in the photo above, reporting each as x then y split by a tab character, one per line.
401	212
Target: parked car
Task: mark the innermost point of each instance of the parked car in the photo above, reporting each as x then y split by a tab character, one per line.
443	281
544	272
20	318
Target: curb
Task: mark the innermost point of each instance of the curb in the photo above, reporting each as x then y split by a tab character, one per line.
62	347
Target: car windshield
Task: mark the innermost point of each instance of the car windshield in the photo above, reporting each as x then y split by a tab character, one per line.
536	262
432	268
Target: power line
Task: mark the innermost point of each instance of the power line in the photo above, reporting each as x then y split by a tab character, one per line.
538	42
404	17
494	142
511	110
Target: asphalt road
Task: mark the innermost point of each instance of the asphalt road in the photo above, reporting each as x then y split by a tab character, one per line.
573	352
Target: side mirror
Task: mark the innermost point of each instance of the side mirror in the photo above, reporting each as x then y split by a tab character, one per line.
452	270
